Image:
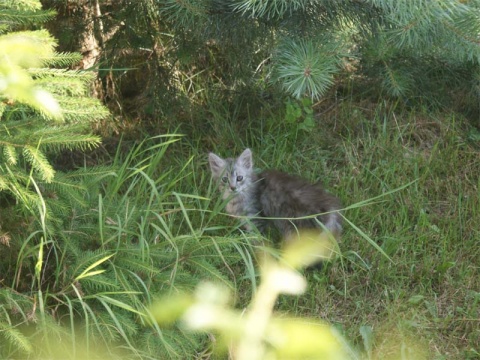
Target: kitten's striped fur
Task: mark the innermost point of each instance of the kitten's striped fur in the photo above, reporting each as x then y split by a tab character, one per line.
273	194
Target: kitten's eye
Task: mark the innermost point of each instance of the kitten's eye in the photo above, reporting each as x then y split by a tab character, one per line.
239	178
225	179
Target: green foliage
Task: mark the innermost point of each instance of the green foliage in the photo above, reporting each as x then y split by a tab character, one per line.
427	228
22	14
300	113
44	111
86	253
306	68
244	52
154	215
129	239
269	9
257	333
418	52
424	49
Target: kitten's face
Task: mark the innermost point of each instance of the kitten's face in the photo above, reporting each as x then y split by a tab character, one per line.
234	175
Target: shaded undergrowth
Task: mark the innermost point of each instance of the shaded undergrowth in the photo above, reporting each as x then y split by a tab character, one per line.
154	225
84	290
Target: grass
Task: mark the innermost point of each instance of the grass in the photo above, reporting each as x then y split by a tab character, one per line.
426	298
83	290
424	229
406	284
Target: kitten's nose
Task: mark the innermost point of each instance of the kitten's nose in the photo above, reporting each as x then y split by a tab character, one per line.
233	188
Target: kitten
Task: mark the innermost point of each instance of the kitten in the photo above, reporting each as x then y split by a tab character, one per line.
272	194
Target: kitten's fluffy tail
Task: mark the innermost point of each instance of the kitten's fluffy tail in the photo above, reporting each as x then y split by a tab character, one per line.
334	223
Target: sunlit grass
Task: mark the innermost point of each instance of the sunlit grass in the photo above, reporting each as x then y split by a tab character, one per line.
426	229
422	292
406	263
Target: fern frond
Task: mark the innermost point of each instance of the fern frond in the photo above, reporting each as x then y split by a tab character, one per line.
124	325
99	283
63	188
84	261
16	303
205	269
91	174
133	260
15	184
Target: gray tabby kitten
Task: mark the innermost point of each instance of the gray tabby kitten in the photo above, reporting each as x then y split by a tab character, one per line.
273	194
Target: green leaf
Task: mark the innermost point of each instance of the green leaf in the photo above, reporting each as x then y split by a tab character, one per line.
87	272
367	336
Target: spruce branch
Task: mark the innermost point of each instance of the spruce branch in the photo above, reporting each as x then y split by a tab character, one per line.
14	182
85	76
10	154
15	19
397	83
62	59
269	9
63	85
27	48
56	143
15	337
82	109
39	162
183	13
23	5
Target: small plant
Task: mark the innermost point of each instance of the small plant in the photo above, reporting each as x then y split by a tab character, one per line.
300	113
257	333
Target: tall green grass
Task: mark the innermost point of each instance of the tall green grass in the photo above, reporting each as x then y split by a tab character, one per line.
409	182
406	283
140	236
423	297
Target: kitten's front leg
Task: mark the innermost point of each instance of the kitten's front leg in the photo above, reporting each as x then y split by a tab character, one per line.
253	222
258	228
260	224
248	224
247	227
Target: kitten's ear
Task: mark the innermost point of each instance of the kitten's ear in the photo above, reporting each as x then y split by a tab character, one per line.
245	159
217	165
